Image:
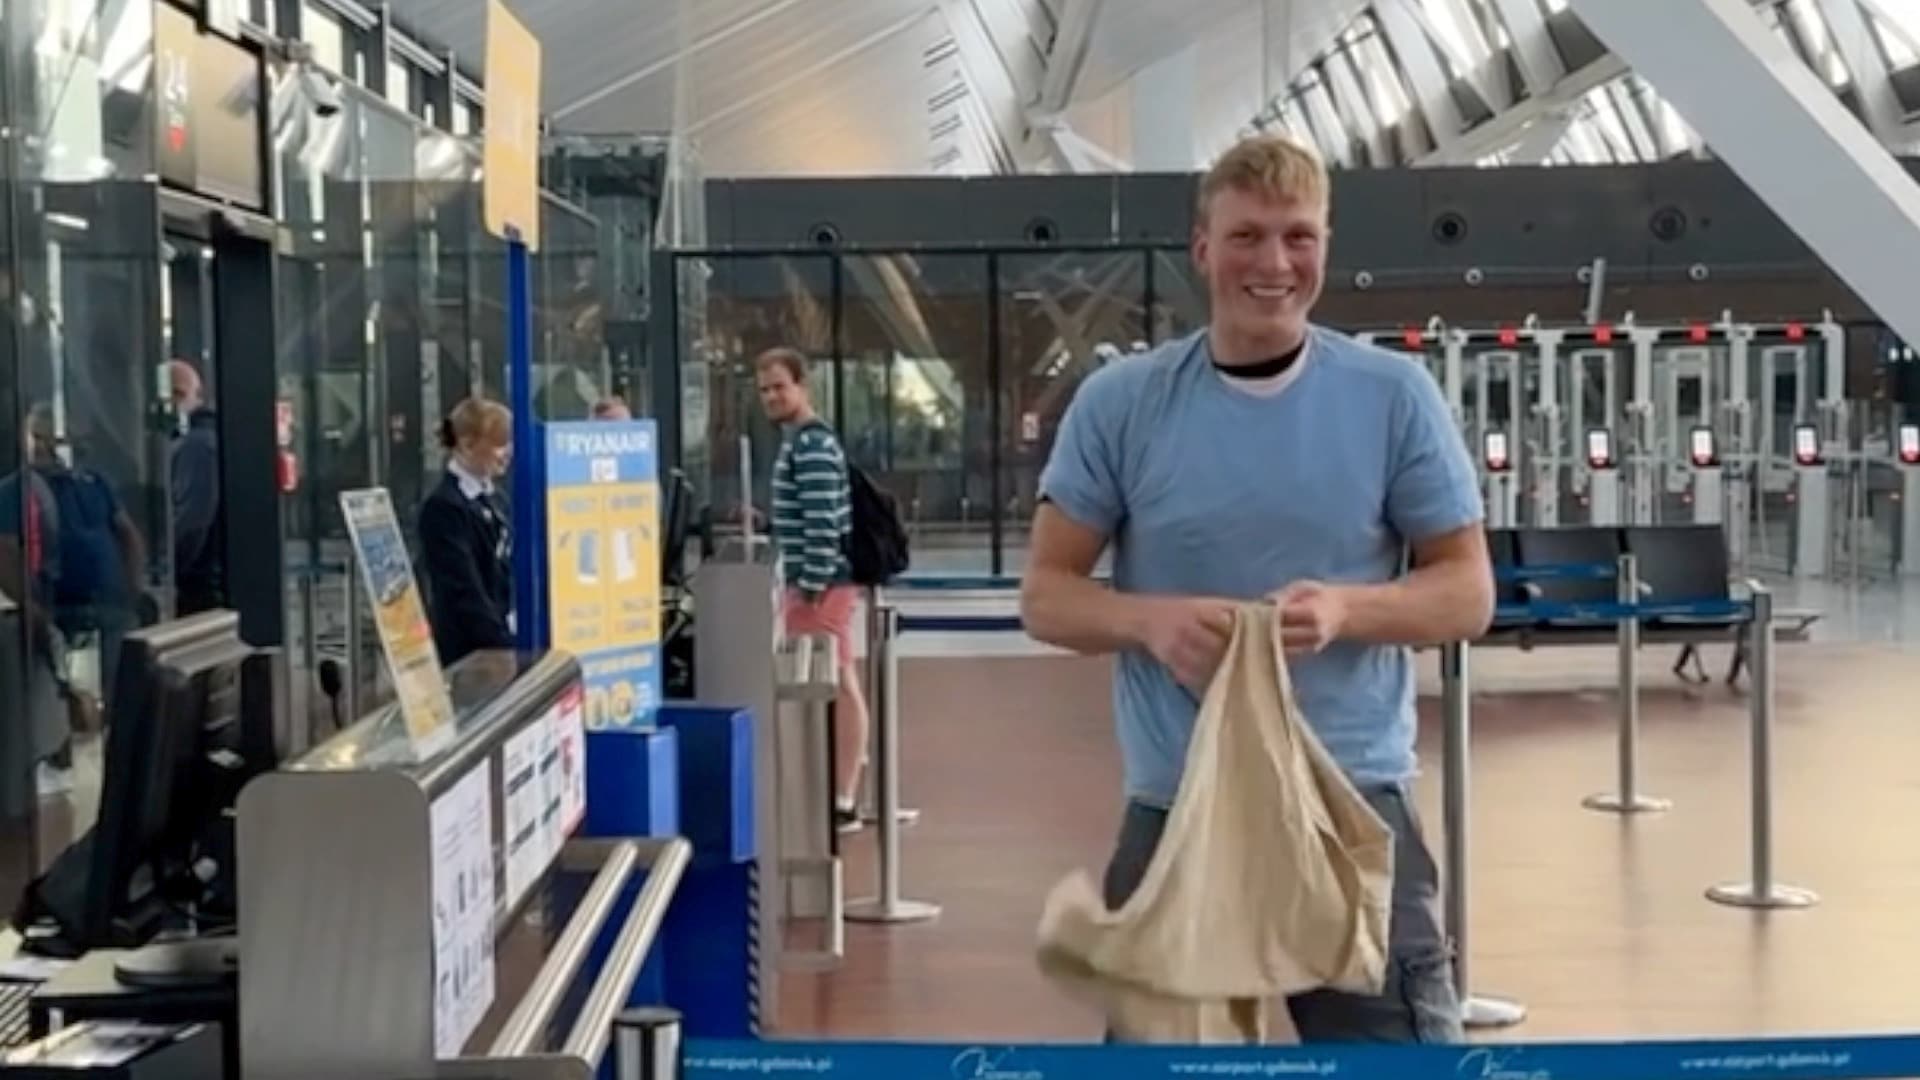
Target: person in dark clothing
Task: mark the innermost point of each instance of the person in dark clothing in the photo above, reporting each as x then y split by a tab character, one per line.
199	550
466	540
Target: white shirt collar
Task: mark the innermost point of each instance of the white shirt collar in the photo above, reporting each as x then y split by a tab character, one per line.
471	485
1273	385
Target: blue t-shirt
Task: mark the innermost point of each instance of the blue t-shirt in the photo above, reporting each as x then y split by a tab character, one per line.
1213	489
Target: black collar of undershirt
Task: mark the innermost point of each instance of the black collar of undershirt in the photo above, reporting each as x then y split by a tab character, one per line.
1264	369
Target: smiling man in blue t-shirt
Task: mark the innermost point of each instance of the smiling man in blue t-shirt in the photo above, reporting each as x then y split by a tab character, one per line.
1266	456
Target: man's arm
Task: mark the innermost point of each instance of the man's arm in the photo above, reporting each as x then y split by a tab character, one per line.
1433	498
1448	596
1060	603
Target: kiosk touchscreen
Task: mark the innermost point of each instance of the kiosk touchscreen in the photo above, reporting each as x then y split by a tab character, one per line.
1502	493
1603	479
1496	454
1700	448
1909	443
1705	490
1600	448
1806	444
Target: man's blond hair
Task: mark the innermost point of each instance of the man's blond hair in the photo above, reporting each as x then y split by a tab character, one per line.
1272	165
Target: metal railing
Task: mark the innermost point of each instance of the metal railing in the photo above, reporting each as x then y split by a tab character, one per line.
615	862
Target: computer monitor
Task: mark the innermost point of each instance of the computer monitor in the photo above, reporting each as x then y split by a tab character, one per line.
184	732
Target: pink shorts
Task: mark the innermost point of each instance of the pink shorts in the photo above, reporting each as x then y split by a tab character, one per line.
831	614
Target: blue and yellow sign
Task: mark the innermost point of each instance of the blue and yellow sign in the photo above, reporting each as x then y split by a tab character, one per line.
603	563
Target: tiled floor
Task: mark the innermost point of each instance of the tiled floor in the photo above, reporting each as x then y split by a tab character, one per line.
1597	923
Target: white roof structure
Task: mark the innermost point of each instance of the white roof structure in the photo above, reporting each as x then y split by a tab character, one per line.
968	87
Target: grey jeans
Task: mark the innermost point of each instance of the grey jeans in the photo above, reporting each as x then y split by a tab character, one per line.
1418	1003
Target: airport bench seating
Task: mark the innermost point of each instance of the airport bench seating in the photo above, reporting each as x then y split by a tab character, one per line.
1674	564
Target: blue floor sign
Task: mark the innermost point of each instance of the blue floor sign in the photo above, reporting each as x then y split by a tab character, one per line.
1881	1057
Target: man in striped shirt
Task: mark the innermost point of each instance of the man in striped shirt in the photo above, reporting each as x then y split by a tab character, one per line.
812	515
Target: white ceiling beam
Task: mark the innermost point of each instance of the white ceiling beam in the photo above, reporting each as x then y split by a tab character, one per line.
698	45
1511	125
1066	56
1872	80
1405	30
1533	49
833	59
1540	138
1484	72
996	88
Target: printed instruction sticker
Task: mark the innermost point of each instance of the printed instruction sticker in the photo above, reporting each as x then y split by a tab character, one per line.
463	907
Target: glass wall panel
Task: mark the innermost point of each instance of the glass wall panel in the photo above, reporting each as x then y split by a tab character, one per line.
571	371
734	308
1062	316
84	334
1179	296
919	392
377	343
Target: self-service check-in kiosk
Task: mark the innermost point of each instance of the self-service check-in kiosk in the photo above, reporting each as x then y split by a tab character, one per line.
1603	478
1907	460
1503	495
1705	489
1811	503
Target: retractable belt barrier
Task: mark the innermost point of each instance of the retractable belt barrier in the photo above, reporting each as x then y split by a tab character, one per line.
1840	1058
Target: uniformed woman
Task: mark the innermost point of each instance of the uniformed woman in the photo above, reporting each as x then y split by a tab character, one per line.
466	534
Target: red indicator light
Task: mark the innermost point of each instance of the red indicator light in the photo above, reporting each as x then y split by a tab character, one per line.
1795	331
1509	336
1412	338
1603	334
1697	332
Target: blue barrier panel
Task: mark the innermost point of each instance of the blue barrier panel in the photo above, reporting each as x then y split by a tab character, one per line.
716	778
1601	571
633	783
711	935
712	942
1839	1058
1600	612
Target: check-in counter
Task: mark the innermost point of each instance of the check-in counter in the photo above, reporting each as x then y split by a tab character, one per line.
391	903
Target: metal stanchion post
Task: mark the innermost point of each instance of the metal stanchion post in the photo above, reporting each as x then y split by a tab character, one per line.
1476	1011
1626	799
888	907
1762	891
870	788
646	1044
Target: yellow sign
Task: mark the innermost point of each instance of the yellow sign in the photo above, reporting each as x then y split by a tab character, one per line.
603	564
406	638
510	183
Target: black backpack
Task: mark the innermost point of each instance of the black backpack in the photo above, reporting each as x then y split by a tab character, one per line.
877	544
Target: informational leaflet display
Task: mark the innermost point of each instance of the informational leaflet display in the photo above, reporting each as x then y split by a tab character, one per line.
528	841
545	780
406	638
463	906
571	736
603	558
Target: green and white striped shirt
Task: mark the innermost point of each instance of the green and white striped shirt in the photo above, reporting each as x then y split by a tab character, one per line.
812	508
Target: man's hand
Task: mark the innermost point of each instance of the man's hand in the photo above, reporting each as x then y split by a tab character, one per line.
1189	635
1310	615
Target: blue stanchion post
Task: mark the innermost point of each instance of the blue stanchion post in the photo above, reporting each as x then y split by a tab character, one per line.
529	540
